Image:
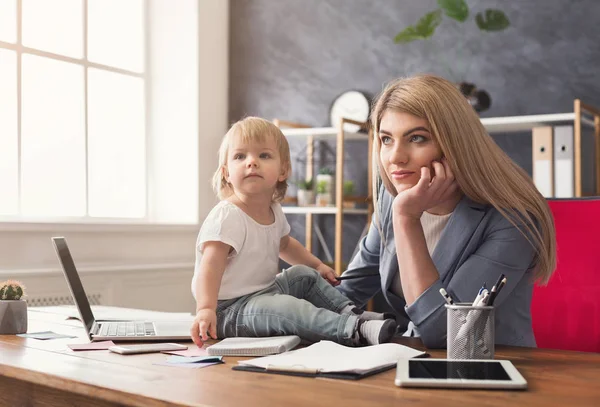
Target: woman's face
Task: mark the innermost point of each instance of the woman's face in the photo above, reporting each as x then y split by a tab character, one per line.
406	146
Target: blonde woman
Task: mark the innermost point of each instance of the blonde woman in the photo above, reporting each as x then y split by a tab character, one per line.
237	285
452	211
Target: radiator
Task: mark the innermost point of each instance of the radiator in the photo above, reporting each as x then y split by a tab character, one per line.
45	301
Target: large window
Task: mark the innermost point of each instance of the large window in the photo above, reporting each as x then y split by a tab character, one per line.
77	125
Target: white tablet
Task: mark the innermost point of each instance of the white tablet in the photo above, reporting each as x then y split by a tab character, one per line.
481	374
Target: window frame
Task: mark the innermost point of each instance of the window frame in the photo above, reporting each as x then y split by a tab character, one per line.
11	221
26	251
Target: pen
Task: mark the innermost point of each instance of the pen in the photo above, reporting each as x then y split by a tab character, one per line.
446	296
479	299
484	300
479	294
495	287
340	278
495	294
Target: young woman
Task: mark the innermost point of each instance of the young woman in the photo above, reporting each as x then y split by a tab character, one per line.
452	211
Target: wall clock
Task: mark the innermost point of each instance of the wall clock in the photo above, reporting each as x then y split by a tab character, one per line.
353	105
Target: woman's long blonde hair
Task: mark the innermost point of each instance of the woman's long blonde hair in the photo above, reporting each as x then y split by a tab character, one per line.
483	172
250	130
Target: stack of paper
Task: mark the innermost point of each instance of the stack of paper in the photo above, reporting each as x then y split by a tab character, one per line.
325	358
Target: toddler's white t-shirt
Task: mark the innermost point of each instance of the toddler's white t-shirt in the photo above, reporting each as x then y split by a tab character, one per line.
253	262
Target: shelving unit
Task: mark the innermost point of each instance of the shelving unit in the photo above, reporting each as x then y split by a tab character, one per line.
299	131
582	115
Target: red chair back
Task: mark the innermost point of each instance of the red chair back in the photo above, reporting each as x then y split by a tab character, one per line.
566	312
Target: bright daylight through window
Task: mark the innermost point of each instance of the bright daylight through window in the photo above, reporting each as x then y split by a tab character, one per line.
76	106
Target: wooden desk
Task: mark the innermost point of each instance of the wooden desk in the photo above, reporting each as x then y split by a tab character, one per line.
47	373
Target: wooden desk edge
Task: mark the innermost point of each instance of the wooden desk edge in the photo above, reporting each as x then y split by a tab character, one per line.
76	386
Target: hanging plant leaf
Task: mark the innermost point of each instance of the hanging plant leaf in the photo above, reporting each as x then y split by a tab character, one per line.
492	20
409	34
427	24
456	9
424	28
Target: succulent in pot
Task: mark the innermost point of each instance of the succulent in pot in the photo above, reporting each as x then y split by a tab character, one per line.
13	308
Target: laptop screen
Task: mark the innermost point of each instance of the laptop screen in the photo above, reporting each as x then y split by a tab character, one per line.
74	282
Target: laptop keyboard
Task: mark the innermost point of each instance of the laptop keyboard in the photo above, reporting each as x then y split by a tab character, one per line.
126	329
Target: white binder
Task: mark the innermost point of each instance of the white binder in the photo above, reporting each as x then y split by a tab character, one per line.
543	160
564	181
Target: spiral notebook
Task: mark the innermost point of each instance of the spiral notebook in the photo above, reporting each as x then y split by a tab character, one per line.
254	346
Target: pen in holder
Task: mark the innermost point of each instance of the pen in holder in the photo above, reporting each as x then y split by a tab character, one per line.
471	333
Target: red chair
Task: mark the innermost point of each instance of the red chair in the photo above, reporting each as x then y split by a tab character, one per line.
566	312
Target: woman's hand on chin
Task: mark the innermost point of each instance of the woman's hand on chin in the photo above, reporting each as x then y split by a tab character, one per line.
429	192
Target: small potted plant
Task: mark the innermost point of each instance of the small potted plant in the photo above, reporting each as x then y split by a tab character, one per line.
13	308
306	195
348	192
325	178
323	196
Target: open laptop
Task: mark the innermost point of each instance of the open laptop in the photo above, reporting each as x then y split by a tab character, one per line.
114	330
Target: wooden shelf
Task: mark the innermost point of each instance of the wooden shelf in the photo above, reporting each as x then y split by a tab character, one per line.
506	124
322	133
509	124
322	210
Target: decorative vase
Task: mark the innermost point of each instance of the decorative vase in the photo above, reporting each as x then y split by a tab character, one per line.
306	197
478	98
13	317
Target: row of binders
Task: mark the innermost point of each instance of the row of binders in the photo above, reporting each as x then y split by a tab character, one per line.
553	161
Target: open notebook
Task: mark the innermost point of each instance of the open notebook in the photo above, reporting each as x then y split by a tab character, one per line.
329	359
253	346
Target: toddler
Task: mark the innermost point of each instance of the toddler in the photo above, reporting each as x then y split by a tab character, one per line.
236	284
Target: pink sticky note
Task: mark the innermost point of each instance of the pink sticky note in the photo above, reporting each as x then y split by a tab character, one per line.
193	351
91	346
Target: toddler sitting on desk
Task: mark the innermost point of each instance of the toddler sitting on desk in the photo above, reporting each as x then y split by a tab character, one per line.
237	289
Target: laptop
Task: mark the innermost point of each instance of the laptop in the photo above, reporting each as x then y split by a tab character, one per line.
114	330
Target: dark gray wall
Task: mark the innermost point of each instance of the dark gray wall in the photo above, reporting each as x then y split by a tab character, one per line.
290	58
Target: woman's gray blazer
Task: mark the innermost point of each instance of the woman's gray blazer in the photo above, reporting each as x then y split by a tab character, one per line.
476	246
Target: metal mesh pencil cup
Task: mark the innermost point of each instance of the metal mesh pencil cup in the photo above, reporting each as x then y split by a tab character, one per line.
471	333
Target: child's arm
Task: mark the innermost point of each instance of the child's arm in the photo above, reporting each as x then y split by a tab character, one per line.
292	252
212	267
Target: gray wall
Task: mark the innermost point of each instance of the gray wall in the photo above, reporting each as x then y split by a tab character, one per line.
290	58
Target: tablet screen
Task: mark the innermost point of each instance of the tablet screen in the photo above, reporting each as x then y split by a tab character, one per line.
471	370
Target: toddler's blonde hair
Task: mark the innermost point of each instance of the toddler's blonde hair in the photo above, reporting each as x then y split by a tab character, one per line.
252	130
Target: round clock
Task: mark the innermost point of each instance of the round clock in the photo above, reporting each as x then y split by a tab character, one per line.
350	105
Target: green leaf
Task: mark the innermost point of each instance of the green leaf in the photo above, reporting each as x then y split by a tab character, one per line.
427	24
424	28
409	34
492	20
456	9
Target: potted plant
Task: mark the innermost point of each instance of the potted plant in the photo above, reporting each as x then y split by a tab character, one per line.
488	20
348	192
323	196
306	194
325	178
13	308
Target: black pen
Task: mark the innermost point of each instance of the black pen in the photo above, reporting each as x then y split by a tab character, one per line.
340	278
496	288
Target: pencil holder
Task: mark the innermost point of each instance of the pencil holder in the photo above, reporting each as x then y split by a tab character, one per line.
471	333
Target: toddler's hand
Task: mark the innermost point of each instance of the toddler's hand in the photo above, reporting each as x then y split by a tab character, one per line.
205	321
328	274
